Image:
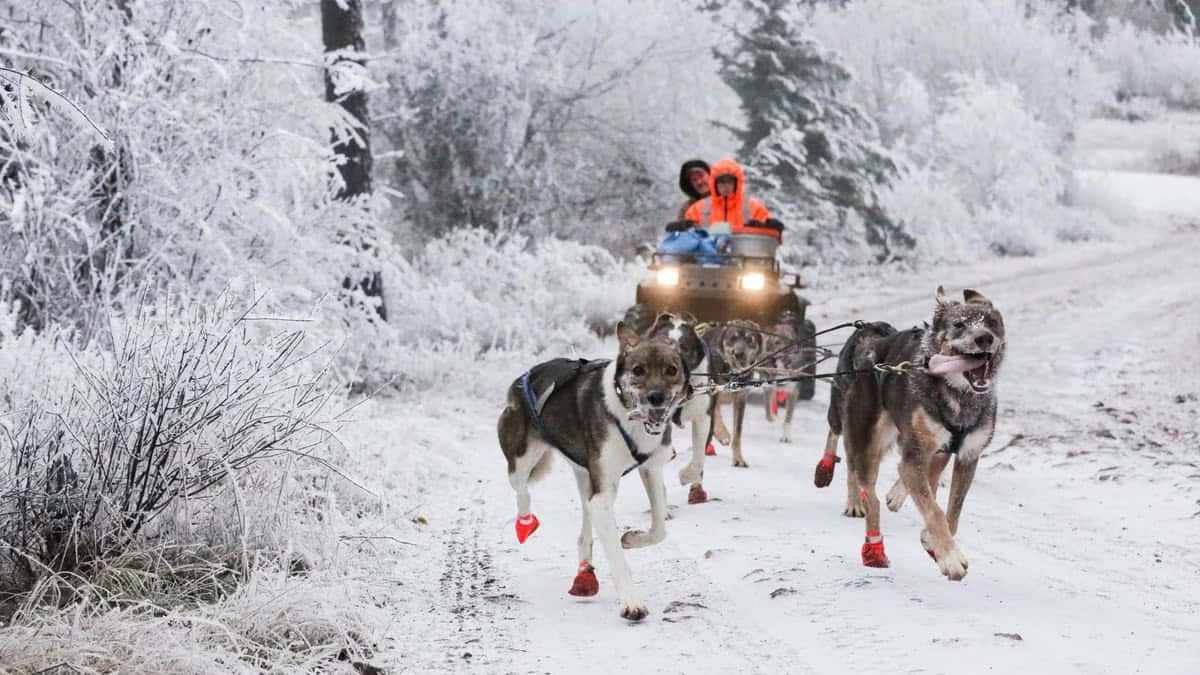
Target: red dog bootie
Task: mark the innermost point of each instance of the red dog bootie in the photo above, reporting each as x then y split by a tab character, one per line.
780	399
585	584
526	525
823	476
710	450
872	551
697	495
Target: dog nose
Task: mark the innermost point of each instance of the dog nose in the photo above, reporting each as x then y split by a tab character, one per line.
656	397
984	341
740	356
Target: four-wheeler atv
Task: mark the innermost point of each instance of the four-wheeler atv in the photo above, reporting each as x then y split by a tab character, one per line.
745	282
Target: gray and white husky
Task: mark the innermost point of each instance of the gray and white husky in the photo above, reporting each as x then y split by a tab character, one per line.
607	418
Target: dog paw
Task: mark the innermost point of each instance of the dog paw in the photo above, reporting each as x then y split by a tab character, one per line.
691	474
896	496
785	437
633	611
722	436
953	564
639	539
854	508
738	461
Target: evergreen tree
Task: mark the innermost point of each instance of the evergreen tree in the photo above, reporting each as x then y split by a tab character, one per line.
810	155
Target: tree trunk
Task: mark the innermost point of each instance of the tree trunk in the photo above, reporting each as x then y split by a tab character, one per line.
342	31
112	172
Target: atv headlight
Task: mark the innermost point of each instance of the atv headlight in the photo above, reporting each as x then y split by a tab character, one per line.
668	276
754	281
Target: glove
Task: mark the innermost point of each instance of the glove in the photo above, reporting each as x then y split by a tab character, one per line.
679	226
775	224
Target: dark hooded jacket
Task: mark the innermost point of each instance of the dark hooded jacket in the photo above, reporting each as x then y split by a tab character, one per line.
686	185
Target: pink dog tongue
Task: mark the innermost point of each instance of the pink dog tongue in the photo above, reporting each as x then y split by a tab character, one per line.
944	364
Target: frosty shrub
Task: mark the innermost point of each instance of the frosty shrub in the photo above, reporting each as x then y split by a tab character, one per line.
219	166
1164	66
475	304
103	442
905	57
984	178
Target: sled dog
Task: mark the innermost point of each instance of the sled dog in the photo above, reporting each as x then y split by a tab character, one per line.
947	409
781	343
696	412
733	347
607	418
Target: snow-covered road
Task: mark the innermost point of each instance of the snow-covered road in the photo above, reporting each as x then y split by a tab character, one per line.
1082	528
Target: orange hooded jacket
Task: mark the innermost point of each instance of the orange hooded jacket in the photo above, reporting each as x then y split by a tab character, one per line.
736	209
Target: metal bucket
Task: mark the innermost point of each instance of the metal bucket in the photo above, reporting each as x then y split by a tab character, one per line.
753	245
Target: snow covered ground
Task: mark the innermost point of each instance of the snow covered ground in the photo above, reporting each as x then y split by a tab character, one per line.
1081	528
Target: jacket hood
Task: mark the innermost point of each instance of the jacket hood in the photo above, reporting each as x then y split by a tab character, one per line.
728	167
684	183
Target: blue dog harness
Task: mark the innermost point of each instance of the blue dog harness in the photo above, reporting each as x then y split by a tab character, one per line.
570	369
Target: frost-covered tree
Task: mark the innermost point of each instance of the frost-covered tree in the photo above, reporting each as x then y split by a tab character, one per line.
812	155
346	85
549	118
220	167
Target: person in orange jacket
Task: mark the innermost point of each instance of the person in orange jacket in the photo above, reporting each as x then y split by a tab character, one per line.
727	202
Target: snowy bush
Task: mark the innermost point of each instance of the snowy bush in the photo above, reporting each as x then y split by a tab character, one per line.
477	300
1163	66
167	414
906	55
219	164
984	177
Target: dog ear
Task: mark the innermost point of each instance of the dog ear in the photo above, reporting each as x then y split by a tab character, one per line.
943	300
688	318
975	296
663	318
627	336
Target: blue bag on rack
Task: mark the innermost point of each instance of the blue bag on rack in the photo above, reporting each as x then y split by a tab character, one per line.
694	242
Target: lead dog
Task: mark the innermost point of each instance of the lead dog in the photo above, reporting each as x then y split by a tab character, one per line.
608	418
947	409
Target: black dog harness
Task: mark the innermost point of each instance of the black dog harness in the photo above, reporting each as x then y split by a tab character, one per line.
560	372
958	432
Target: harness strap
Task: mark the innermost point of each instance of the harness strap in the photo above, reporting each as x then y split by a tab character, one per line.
535	408
638	458
958	434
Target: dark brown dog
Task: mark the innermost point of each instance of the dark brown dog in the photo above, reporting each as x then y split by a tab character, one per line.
948	408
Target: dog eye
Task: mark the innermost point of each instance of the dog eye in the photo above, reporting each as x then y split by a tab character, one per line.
960	325
672	371
639	371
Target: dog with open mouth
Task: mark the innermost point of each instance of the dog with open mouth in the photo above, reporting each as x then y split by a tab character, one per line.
608	418
946	408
